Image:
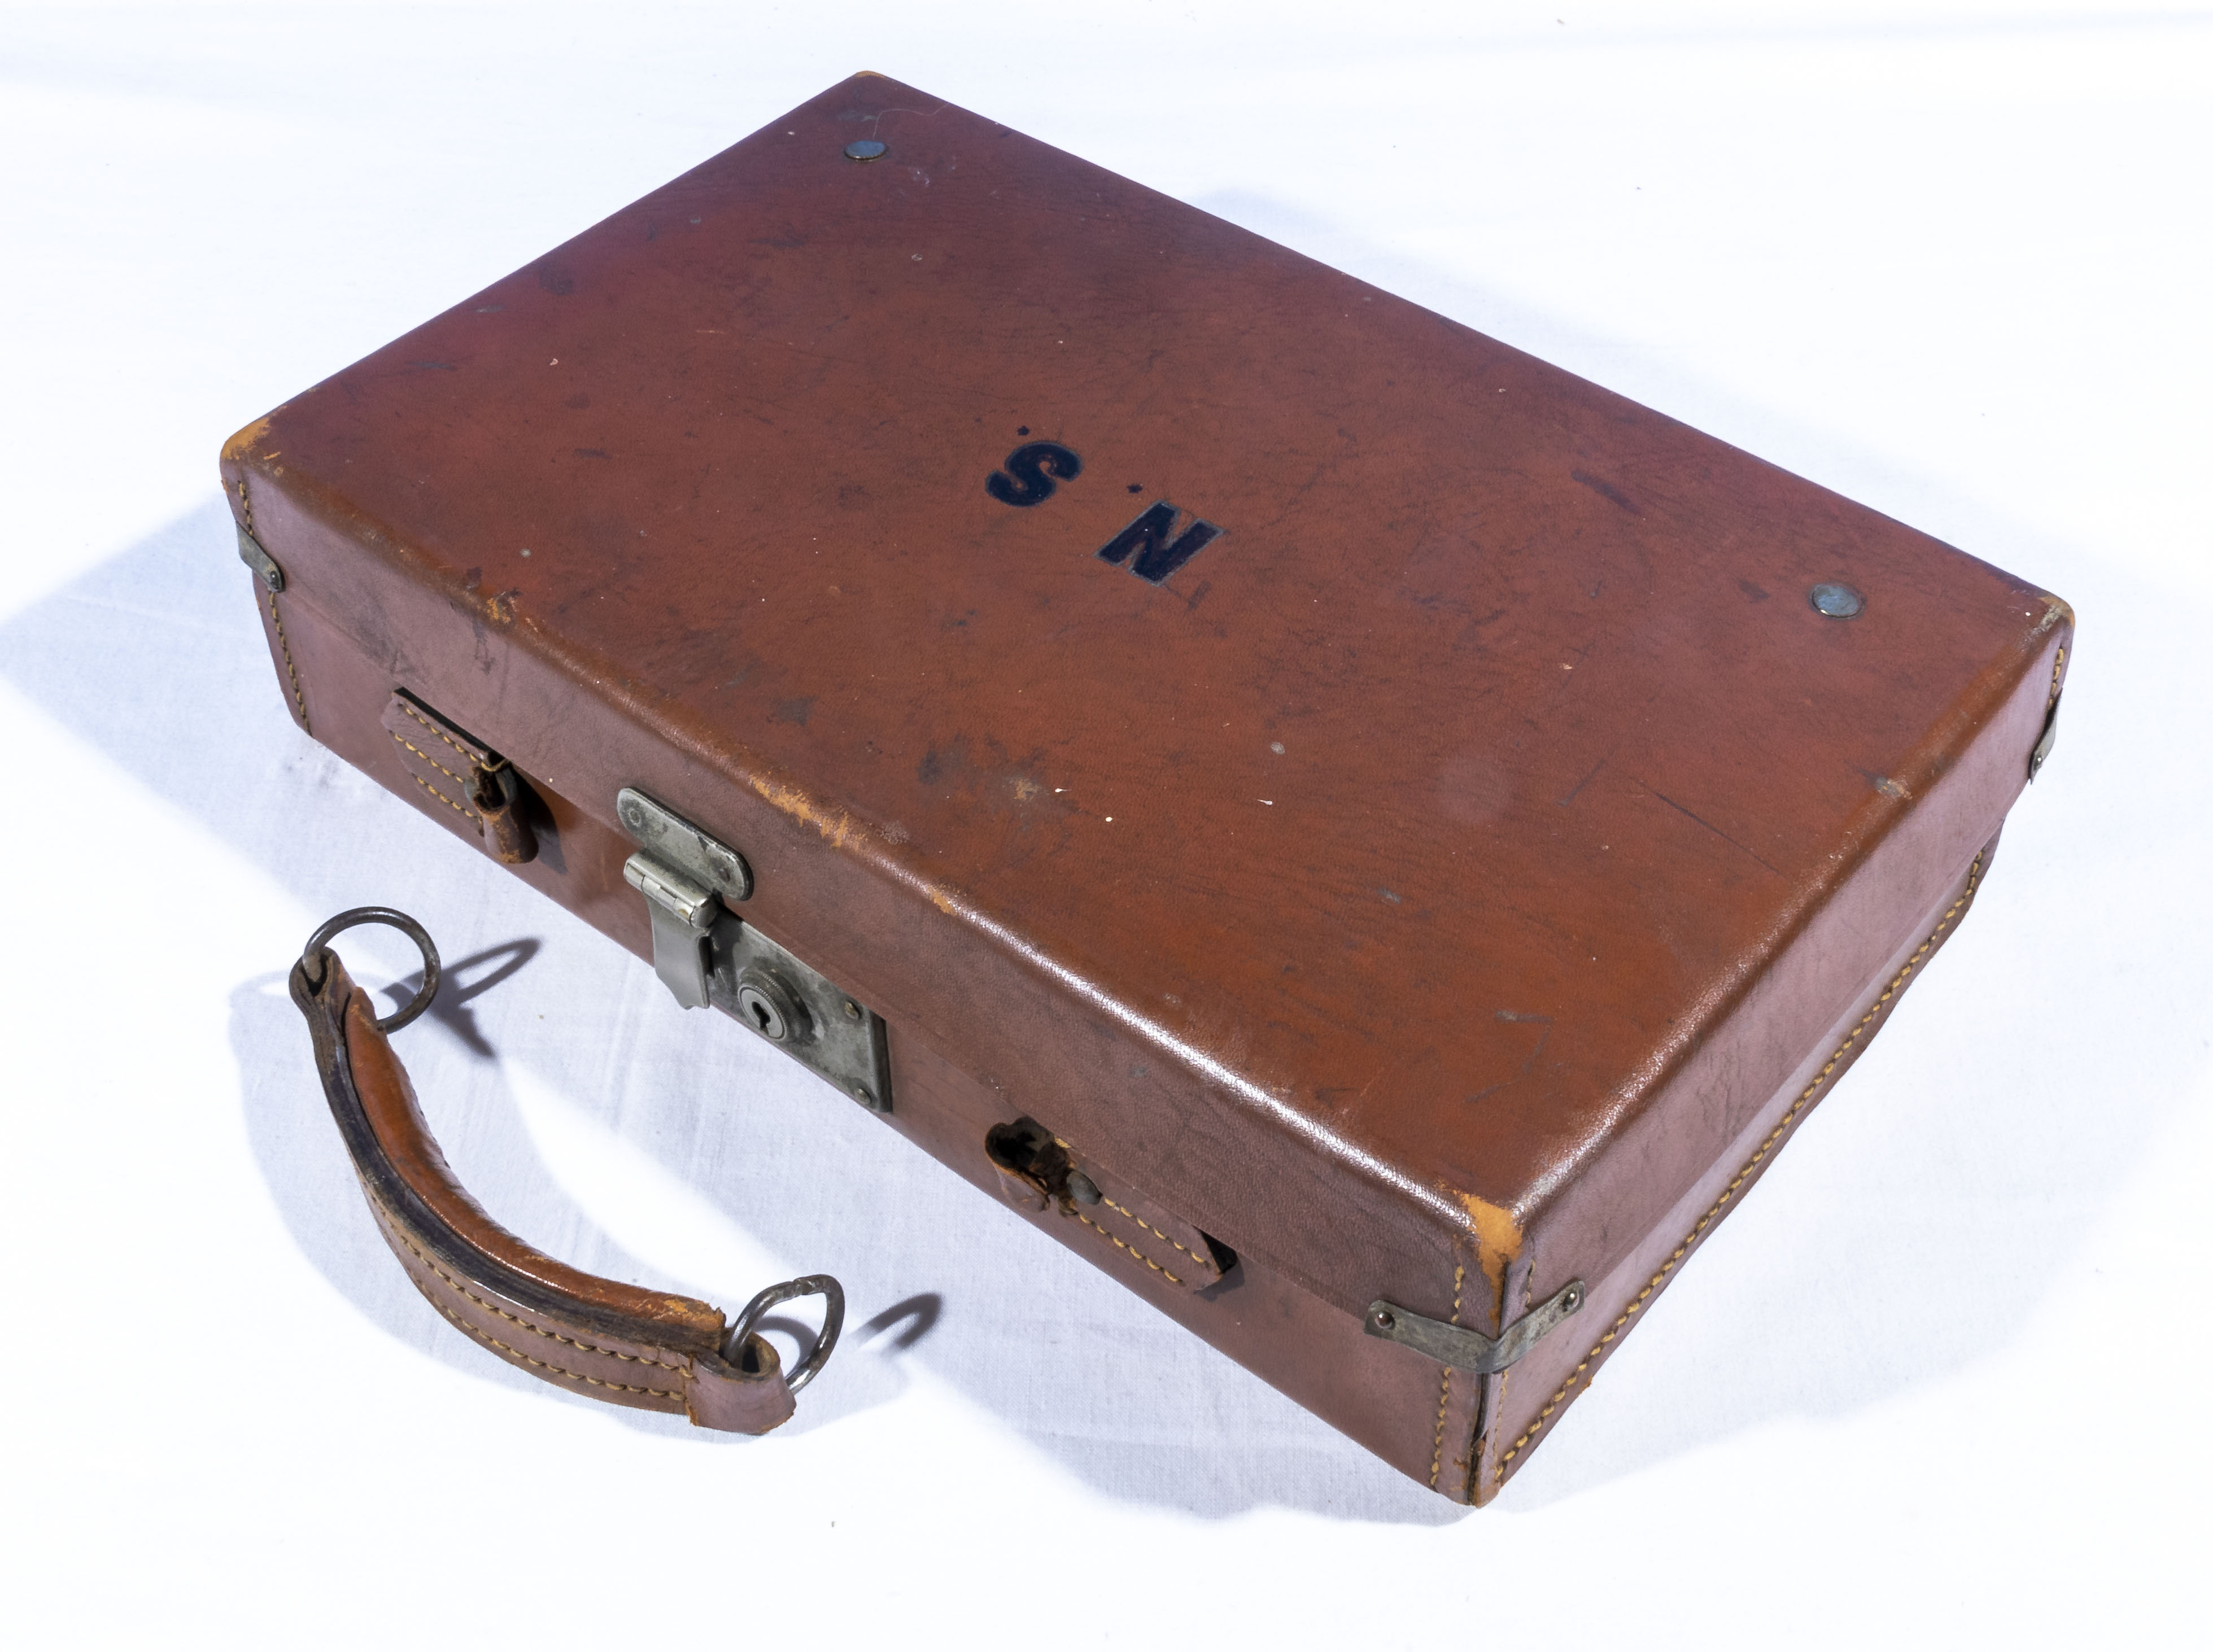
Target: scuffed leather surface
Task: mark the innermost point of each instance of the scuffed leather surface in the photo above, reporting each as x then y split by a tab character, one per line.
1585	829
1526	1400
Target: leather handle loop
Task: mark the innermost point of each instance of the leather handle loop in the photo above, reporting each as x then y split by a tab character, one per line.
596	1337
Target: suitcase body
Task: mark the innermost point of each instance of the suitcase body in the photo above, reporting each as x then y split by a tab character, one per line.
1370	839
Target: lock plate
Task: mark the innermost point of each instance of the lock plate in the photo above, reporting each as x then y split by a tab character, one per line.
760	986
706	954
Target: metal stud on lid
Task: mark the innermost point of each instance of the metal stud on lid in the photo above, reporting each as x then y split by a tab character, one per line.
1837	601
864	149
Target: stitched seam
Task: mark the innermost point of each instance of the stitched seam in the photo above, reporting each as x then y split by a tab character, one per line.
1974	874
2059	665
1475	1472
427	758
1205	1262
1444	1386
392	1226
558	1370
290	670
440	733
1132	1249
470	813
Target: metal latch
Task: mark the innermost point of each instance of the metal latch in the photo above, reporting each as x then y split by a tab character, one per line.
684	876
1467	1350
706	956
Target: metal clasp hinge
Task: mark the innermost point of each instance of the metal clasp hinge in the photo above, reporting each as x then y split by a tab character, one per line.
263	565
2046	741
1467	1350
708	958
685	876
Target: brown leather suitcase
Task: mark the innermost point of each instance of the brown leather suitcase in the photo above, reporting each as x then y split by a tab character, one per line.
1372	840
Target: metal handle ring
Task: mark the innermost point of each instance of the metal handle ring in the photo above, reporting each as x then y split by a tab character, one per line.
407	926
833	1321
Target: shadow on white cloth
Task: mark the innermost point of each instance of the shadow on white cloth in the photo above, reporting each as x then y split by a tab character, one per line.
1985	1109
157	657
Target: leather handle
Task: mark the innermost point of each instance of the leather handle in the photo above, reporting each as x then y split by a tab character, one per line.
596	1337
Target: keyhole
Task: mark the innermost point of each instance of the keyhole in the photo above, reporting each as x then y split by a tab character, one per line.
769	1005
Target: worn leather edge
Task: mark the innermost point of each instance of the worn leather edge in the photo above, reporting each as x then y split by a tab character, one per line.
594	1337
1491	1460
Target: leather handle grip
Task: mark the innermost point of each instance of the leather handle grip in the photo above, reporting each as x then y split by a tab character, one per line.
596	1337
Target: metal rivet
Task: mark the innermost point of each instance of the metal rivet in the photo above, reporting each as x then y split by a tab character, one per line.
863	148
1383	1320
862	1094
852	1010
1837	601
1573	1299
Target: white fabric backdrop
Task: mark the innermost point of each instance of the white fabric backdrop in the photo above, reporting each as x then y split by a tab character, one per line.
1939	1381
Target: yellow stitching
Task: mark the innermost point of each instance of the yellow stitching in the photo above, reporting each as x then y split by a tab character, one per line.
1205	1262
446	800
486	1338
246	510
2059	665
391	1224
440	733
298	699
427	758
1974	874
1444	1388
1475	1464
1132	1249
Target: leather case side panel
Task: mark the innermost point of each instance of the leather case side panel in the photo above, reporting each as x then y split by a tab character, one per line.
1382	1395
1528	1399
1198	1135
1905	858
1392	1401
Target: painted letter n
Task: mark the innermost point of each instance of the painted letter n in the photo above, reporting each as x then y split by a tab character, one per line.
1158	556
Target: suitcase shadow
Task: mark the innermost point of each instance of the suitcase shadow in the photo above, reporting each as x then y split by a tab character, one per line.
1073	1364
1082	1347
1086	1374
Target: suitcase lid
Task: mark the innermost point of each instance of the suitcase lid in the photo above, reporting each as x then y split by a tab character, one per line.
1379	761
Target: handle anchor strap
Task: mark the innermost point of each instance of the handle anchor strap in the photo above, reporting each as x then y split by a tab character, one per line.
596	1337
